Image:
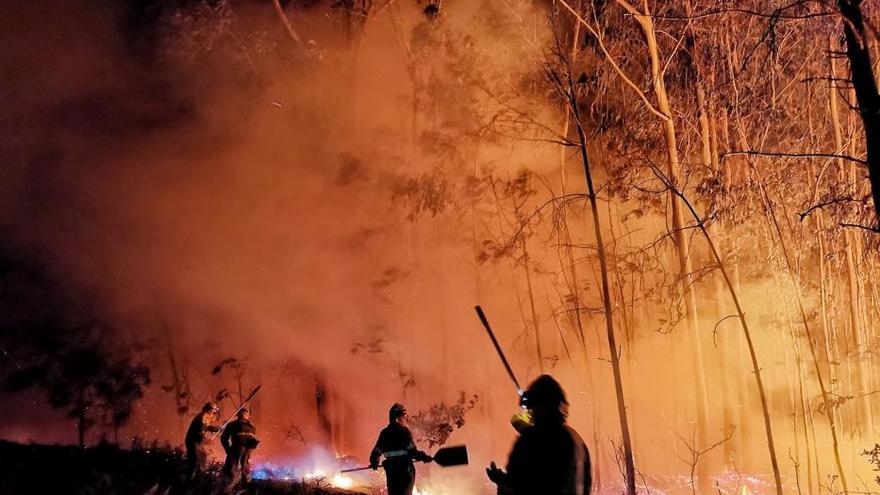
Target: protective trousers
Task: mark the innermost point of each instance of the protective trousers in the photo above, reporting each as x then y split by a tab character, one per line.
238	462
401	477
196	459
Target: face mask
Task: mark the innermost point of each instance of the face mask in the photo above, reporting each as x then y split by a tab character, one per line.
522	421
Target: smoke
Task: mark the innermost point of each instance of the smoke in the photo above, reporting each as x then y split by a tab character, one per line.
315	216
219	191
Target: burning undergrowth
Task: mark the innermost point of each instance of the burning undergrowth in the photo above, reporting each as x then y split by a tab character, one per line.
320	468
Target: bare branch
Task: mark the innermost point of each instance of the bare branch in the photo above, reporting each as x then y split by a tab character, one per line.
823	204
793	155
288	27
626	79
874	230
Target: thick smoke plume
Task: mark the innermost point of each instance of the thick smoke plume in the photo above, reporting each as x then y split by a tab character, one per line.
253	209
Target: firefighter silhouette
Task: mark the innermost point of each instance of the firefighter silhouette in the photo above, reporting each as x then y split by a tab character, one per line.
196	452
239	439
549	457
396	445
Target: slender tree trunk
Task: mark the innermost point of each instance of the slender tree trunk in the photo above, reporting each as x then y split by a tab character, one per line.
798	403
852	279
618	282
710	163
572	57
572	283
828	336
679	236
528	271
572	279
629	464
743	419
796	288
806	413
756	368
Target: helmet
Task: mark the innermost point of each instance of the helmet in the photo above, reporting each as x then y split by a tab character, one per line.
396	411
210	407
544	391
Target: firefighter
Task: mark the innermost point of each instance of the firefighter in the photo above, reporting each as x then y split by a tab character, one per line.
395	444
196	451
549	457
239	439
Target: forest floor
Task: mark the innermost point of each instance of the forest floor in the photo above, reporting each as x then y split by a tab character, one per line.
108	470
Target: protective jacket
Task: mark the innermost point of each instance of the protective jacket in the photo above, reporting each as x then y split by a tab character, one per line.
396	445
195	434
548	459
196	453
238	439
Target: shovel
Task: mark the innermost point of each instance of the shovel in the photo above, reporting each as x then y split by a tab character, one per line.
448	456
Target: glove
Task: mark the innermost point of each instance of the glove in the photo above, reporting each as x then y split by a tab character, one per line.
374	465
495	475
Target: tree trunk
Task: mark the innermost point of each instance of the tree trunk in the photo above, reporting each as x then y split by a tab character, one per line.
527	268
852	278
796	288
862	76
805	411
679	237
756	368
743	419
629	464
710	162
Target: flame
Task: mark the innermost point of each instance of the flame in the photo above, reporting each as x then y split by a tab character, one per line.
314	475
426	491
336	480
342	481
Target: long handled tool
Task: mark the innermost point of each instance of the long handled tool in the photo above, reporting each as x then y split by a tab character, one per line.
498	348
231	418
448	456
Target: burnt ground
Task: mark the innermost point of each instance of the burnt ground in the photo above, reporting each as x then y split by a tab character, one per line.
108	470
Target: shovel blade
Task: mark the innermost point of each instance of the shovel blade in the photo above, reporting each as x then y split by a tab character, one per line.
452	456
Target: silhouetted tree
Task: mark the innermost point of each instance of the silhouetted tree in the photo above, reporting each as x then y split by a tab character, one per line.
82	376
51	346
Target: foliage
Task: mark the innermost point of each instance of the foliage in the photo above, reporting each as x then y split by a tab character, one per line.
873	456
108	470
58	347
434	425
95	384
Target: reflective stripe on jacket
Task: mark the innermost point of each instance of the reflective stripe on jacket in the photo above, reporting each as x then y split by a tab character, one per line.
395	443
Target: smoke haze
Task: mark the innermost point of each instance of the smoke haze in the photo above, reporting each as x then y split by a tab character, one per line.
320	213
